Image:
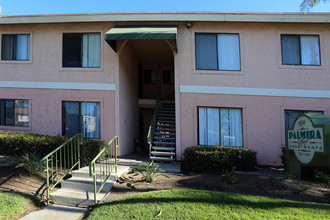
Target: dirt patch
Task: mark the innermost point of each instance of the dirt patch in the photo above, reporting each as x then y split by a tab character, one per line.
263	182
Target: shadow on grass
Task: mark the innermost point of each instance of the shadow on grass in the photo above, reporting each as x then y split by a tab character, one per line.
215	198
33	198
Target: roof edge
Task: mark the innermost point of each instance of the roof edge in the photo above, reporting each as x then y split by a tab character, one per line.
169	16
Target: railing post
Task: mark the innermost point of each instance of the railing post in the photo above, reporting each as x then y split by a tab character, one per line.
47	180
79	142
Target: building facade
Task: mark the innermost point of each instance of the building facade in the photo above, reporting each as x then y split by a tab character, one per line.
236	79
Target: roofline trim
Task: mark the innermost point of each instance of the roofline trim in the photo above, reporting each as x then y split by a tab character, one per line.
170	16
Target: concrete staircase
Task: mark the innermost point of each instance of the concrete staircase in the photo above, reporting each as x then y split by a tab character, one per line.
163	148
79	189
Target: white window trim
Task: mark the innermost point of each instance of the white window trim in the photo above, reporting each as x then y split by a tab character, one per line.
17	61
218	72
82	69
306	67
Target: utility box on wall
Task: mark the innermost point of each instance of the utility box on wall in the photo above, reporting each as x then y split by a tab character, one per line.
308	144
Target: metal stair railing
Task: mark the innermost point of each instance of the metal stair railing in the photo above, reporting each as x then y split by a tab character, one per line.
61	161
107	161
152	126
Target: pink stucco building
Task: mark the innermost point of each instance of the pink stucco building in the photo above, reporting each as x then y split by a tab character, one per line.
236	79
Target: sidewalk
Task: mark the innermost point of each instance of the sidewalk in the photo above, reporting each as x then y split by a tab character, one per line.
57	212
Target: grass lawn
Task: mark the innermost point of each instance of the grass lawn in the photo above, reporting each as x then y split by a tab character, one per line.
200	204
12	204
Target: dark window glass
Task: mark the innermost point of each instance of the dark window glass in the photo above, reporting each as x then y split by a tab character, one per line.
300	49
14	112
150	76
168	77
15	47
81	50
81	117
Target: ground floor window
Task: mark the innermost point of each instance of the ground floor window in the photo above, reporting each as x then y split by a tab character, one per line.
291	115
14	112
81	117
220	126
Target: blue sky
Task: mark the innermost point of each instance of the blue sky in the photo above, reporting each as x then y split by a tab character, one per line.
29	7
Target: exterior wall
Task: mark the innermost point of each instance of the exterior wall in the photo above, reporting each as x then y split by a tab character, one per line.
34	79
263	119
128	101
264	88
45	109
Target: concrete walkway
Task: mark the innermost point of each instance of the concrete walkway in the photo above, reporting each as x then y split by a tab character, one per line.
61	212
57	212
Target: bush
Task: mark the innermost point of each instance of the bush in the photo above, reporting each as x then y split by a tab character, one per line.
213	159
40	145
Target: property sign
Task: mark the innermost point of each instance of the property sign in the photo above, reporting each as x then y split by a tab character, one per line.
305	139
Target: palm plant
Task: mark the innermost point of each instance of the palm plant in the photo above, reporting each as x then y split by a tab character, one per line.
28	161
307	5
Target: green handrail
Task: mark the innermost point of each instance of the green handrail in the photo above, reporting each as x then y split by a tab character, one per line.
61	161
107	163
152	126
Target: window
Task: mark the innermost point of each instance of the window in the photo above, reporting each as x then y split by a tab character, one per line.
81	117
217	52
15	47
168	77
291	115
14	112
81	50
150	76
300	49
220	126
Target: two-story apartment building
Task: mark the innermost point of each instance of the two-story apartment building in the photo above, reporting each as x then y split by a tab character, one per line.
237	79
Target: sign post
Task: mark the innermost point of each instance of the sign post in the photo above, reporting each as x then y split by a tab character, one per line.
308	143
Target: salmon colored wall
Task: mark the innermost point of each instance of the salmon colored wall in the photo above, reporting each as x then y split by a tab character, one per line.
260	57
128	119
45	106
46	55
263	119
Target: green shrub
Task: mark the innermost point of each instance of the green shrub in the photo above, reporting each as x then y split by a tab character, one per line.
40	145
148	171
212	159
322	176
228	177
28	161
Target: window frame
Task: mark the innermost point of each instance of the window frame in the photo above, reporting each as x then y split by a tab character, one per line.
80	101
242	123
16	127
218	70
82	69
300	49
30	33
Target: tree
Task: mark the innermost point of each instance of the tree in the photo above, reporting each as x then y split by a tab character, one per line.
307	5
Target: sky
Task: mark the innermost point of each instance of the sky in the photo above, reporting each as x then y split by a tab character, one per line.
31	7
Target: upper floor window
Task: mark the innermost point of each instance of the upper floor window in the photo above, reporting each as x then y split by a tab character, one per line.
168	76
81	50
217	52
14	112
150	76
15	47
300	49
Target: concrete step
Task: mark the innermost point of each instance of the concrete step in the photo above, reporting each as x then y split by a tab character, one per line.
166	115
165	139
170	118
165	129
158	153
76	197
162	159
84	172
165	126
160	134
85	184
163	143
166	122
163	148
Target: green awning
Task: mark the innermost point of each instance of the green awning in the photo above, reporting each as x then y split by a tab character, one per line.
140	33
